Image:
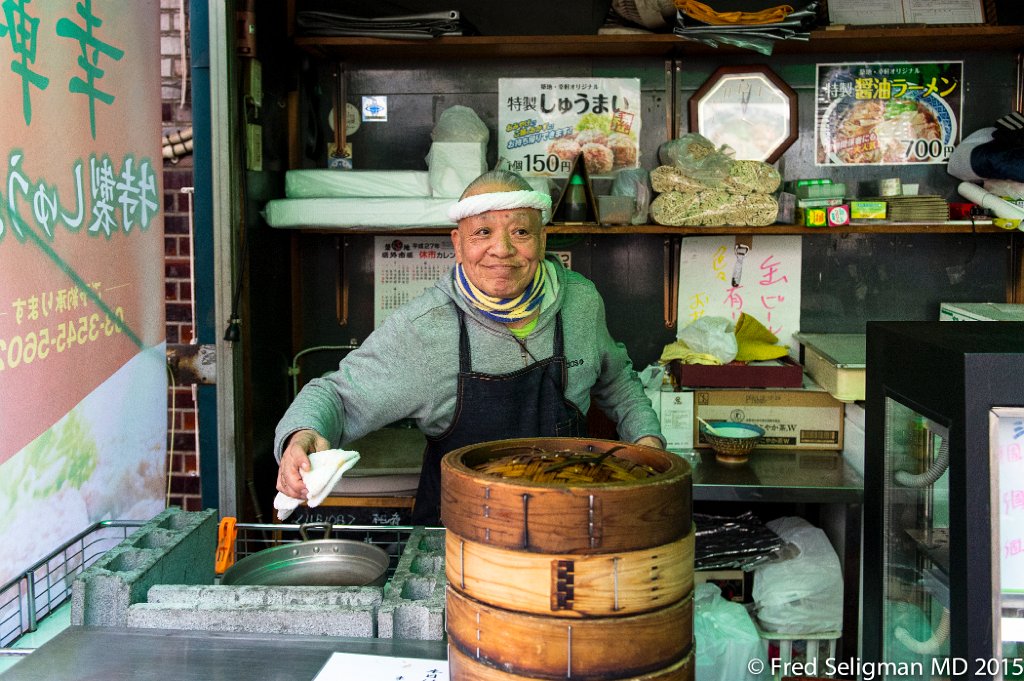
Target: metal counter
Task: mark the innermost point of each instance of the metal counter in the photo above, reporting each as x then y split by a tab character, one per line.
814	477
87	653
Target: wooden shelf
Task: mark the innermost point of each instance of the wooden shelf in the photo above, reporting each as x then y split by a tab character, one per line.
831	39
985	227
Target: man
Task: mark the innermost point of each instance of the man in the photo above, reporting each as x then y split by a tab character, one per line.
509	344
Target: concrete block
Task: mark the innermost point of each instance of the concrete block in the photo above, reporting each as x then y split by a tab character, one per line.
363	597
175	547
414	598
311	620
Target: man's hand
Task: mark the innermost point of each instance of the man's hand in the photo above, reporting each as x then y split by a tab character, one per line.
650	441
295	457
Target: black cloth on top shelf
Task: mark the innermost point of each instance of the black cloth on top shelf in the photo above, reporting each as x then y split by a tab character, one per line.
999	160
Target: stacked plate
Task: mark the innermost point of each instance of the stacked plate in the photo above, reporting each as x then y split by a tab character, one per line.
915	208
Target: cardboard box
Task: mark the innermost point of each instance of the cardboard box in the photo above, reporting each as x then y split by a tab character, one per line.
839	215
811	217
867	210
731	582
776	373
837	362
981	312
793	418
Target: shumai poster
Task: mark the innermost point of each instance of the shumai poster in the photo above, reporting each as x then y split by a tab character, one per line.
544	124
83	407
887	113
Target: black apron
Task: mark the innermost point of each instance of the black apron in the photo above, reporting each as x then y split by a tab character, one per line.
529	402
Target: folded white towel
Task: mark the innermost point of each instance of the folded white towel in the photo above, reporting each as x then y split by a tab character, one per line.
325	469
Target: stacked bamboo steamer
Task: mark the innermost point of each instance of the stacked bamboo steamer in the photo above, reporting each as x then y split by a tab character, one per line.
551	580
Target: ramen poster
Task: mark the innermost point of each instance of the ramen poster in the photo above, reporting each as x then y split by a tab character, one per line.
887	114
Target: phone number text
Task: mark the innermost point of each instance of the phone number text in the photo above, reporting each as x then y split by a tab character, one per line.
24	349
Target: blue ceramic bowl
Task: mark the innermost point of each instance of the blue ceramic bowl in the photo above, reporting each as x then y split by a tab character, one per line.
733	441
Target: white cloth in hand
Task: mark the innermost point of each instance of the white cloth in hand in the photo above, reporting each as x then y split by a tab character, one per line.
325	469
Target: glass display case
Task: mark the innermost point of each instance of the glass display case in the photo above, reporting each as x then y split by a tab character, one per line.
944	501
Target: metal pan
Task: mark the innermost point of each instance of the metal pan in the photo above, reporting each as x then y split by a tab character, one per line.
312	562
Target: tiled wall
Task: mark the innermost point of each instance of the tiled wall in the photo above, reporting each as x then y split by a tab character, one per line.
183	490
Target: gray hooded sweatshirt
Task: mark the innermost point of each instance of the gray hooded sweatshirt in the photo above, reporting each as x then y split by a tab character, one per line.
409	367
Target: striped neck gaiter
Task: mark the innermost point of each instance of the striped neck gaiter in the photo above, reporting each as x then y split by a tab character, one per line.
503	310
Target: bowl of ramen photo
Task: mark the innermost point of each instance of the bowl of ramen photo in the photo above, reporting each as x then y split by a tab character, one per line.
887	131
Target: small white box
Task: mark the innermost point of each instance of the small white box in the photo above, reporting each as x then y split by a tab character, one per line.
981	312
675	411
853	437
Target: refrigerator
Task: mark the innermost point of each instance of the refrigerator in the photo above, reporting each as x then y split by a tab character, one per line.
943	592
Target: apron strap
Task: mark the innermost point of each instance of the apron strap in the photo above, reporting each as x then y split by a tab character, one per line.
558	349
465	360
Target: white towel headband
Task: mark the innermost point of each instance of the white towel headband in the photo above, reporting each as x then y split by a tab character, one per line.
482	203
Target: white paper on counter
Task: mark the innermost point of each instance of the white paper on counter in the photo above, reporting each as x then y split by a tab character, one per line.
356	667
715	279
676	415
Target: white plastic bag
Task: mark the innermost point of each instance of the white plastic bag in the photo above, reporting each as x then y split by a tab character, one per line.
458	154
725	638
711	336
802	594
460	124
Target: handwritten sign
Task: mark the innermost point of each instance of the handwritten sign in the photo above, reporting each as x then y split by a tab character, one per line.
725	276
1009	450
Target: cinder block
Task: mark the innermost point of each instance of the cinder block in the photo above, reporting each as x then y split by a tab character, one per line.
312	620
414	599
175	547
364	597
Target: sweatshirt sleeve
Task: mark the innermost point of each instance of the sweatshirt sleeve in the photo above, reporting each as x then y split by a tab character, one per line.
370	389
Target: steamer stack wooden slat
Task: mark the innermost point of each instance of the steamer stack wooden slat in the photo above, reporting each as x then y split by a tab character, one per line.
590	581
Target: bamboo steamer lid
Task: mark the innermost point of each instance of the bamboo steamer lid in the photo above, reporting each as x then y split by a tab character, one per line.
579	648
566	518
465	667
571	585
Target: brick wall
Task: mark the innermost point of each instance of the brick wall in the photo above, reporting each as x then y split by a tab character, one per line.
181	417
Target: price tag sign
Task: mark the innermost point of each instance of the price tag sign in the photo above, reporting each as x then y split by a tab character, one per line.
544	124
887	113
